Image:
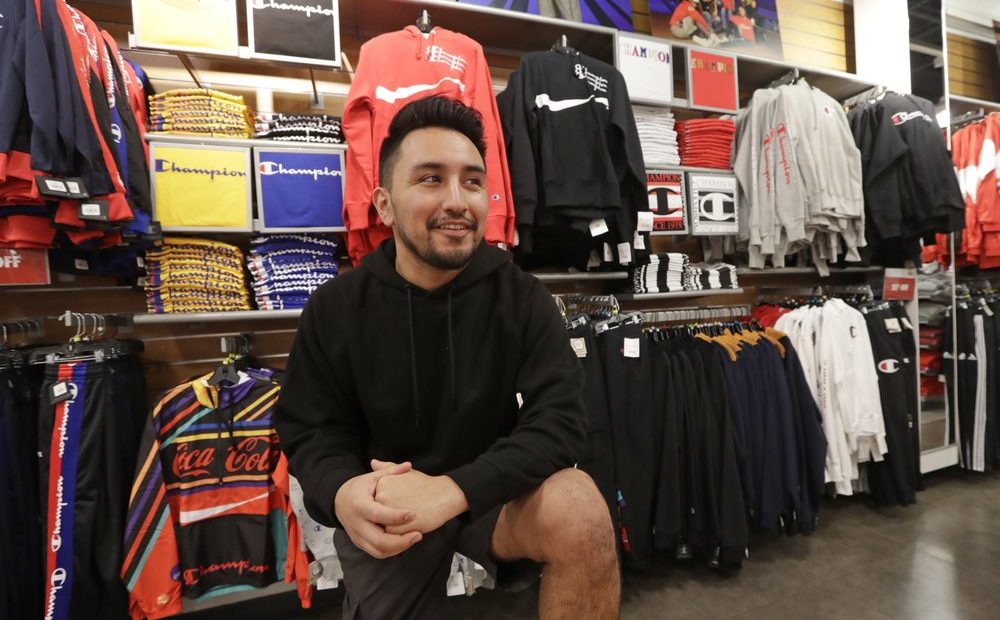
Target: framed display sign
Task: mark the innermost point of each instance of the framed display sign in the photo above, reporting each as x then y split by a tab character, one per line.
207	26
667	201
645	63
714	204
298	31
299	189
712	81
200	188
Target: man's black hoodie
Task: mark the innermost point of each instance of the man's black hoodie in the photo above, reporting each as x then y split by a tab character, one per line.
383	369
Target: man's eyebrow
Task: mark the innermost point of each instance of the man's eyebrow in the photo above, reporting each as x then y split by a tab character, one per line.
434	165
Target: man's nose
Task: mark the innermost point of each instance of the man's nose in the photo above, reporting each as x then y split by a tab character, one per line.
454	199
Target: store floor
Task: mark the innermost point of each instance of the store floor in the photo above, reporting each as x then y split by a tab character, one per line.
937	560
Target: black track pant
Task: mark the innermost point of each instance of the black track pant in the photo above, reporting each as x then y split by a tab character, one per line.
628	388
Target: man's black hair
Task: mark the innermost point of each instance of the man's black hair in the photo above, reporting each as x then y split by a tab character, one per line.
423	113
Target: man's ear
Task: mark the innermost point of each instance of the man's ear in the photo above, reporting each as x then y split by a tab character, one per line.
383	205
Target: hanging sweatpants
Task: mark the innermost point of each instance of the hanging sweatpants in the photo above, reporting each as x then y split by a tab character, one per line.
891	480
627	377
82	493
20	533
599	459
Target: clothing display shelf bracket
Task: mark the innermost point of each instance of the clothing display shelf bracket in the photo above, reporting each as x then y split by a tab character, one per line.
584	276
791	271
166	138
214	317
680	294
697	314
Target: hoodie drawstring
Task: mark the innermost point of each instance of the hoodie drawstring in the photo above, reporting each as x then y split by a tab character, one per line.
413	356
451	352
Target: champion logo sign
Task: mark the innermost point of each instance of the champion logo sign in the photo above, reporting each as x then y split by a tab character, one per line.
165	165
300	8
889	366
717	207
268	168
596	82
436	53
901	117
116	133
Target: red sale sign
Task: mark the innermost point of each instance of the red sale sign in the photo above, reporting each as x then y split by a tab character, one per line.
23	267
899	284
712	81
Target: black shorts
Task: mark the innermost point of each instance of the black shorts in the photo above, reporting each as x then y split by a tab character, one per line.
412	585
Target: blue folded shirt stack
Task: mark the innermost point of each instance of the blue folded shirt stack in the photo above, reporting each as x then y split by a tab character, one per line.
287	268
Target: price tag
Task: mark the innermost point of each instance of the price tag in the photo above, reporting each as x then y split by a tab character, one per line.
631	348
81	264
94	210
594	260
140	262
892	326
639	242
906	323
624	253
59	392
598	227
645	221
70	187
579	346
608	254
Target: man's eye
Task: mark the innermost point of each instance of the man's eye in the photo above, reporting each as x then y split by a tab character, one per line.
431	178
475	181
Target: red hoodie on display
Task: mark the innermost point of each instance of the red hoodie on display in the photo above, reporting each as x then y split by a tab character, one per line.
393	70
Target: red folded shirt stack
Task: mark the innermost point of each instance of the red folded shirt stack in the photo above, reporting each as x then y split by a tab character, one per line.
706	142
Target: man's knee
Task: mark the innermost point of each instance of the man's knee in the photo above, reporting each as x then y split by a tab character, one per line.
573	519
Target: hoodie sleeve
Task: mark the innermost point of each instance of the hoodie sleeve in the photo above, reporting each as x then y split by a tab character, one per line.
318	416
361	158
500	219
551	428
517	121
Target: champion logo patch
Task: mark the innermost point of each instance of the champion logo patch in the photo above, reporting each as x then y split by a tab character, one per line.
889	366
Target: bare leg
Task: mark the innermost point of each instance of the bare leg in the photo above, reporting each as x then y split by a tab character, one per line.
564	524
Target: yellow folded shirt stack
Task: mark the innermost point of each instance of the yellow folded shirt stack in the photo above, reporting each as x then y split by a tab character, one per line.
200	111
195	275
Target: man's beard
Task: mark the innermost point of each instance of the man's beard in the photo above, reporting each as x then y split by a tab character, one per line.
447	260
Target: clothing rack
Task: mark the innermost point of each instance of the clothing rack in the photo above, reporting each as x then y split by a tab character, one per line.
694	314
424	24
972	116
33	327
788	78
102	324
871	95
576	301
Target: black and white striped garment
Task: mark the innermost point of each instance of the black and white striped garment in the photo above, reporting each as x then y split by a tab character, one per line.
702	276
663	273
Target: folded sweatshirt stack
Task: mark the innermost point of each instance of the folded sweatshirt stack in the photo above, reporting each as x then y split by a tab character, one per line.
315	128
200	111
286	268
706	142
195	275
664	273
657	135
701	277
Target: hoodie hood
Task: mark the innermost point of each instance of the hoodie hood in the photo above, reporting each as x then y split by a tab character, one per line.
485	260
381	263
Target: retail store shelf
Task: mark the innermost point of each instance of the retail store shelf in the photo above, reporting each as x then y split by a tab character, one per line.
169	138
960	105
678	295
497	30
746	271
213	317
581	276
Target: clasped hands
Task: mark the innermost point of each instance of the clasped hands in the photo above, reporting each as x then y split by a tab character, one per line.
387	511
